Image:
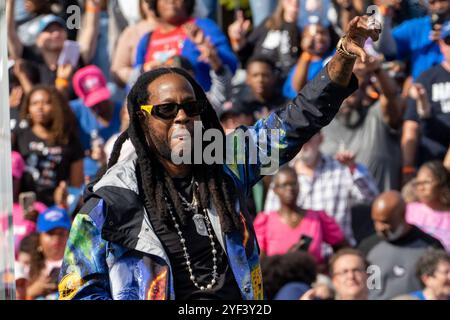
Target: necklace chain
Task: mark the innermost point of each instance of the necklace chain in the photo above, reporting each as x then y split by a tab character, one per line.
192	277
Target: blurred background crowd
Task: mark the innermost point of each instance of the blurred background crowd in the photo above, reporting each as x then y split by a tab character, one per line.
362	212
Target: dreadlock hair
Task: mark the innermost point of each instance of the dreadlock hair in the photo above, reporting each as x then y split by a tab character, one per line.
212	181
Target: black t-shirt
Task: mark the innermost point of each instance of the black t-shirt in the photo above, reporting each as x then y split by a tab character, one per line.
281	46
14	118
415	234
199	250
46	75
435	131
244	100
46	165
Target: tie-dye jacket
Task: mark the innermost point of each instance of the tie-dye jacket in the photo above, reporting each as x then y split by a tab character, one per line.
113	252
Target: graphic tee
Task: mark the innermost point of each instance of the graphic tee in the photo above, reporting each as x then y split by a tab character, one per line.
164	45
46	165
435	130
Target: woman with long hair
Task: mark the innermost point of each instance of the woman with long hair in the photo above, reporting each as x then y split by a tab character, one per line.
432	211
46	253
48	144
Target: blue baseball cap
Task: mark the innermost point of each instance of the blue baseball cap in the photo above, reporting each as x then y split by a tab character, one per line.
445	31
49	19
52	218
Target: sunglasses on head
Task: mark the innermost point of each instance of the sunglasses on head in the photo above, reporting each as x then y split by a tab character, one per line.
170	110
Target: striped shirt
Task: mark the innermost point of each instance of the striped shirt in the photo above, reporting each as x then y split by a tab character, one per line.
333	189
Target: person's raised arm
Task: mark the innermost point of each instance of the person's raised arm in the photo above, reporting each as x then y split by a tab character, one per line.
19	72
340	67
347	10
387	45
409	142
77	173
418	109
238	30
15	46
301	71
89	31
391	100
287	129
122	66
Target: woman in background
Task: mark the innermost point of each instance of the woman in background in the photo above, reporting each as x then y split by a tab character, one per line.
432	212
292	228
49	144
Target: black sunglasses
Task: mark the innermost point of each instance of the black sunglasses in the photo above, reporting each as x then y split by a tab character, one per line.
170	110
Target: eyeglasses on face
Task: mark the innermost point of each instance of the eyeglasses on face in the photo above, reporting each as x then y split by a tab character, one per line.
419	183
344	272
170	110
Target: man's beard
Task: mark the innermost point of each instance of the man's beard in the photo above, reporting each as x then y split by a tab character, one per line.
164	151
393	235
162	147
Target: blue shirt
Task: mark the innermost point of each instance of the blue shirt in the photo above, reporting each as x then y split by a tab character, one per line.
89	125
419	295
413	42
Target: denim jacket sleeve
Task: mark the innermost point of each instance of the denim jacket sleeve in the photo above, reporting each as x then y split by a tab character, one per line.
84	274
253	152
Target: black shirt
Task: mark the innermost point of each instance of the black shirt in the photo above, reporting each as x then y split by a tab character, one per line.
47	76
281	46
14	118
435	131
46	165
243	99
200	252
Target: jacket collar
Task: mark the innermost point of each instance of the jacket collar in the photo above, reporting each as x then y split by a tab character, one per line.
126	220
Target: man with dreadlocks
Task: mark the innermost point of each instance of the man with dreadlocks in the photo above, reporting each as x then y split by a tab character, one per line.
152	229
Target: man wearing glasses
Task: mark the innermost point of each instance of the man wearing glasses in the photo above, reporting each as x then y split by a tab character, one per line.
153	229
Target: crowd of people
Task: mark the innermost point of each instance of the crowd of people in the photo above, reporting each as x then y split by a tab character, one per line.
361	212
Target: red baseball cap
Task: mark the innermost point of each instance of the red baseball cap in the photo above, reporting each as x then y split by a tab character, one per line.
89	83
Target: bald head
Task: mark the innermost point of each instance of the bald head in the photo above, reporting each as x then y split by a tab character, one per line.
388	212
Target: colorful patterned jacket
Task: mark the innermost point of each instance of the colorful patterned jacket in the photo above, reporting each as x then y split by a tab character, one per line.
113	252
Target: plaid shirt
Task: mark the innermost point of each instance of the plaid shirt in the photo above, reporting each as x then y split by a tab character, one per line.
334	189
